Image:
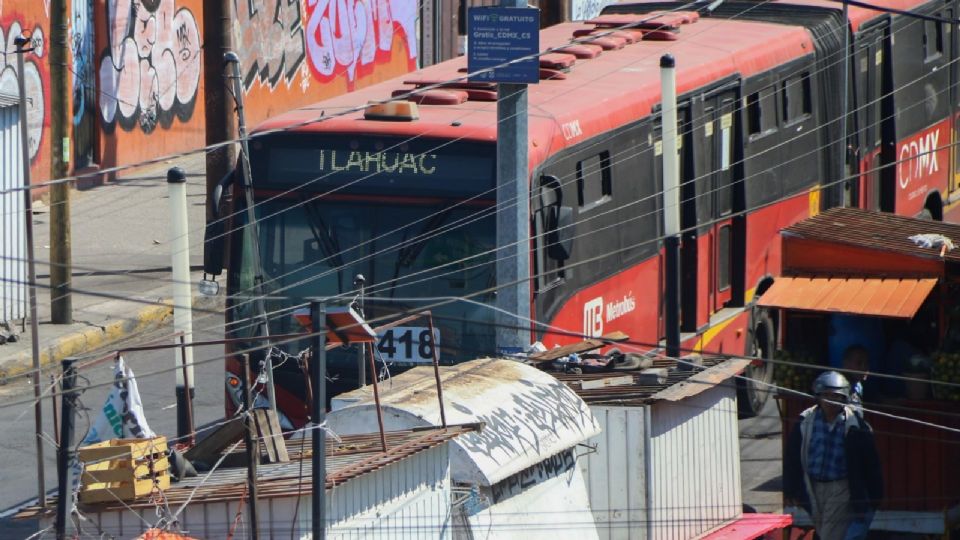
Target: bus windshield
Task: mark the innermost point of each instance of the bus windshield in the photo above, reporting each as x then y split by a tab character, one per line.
410	237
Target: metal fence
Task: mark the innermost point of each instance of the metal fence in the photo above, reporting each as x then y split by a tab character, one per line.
13	266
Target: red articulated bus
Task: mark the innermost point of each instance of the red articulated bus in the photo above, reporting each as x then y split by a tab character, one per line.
410	203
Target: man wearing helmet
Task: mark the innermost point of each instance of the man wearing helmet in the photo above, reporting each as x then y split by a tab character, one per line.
831	466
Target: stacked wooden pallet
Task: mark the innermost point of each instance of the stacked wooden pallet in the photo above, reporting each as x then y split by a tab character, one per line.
123	469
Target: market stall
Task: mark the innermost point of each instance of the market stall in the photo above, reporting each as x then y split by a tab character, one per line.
890	286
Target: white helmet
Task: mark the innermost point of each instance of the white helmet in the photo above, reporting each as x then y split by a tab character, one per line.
831	382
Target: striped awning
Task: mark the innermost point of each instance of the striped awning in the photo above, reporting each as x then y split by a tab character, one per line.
897	298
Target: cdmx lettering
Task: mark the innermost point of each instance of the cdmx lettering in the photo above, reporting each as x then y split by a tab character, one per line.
918	158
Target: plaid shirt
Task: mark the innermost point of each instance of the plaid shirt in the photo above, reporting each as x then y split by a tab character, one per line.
826	456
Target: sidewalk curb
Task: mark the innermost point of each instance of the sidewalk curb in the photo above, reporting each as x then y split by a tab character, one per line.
87	340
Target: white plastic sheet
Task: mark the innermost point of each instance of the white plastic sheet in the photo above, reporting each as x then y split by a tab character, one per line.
121	416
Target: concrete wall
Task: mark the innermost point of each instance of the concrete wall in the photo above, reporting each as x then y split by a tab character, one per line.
136	67
149	78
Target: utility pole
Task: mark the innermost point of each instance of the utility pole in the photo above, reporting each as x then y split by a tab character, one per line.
671	201
252	226
21	44
61	301
513	226
318	417
252	446
218	40
66	453
358	283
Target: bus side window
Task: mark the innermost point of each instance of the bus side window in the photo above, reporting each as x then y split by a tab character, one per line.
553	230
594	182
762	112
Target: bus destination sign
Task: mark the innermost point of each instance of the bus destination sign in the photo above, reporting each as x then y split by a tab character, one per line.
500	35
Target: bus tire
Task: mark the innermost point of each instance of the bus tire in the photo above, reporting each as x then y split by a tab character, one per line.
753	388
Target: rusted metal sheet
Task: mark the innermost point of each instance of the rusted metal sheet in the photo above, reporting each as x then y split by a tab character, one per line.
642	389
527	414
349	458
578	347
704	380
408	499
875	230
897	298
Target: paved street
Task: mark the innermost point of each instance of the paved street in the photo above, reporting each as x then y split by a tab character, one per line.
760	469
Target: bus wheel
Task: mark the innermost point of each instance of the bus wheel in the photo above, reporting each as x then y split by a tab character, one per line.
753	388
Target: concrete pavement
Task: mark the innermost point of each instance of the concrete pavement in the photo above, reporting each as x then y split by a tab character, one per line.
121	260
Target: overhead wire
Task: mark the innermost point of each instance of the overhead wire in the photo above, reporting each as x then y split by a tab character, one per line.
321	118
416	239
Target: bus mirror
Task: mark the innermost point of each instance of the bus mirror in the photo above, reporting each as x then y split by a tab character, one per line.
560	233
216	196
213	235
213	244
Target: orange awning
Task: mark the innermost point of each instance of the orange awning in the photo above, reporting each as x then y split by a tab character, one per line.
898	298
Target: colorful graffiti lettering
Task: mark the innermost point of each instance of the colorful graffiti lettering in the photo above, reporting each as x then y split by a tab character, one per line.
33	80
150	73
81	45
346	36
271	34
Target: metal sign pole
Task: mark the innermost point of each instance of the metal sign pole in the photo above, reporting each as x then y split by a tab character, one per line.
318	371
513	217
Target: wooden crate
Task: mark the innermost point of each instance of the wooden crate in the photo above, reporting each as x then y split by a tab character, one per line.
123	469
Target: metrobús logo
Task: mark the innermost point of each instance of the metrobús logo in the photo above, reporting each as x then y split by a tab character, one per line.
596	312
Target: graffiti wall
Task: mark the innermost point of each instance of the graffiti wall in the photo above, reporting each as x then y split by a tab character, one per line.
149	91
29	18
136	67
295	52
83	83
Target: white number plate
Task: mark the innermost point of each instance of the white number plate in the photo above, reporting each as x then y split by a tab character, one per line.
408	344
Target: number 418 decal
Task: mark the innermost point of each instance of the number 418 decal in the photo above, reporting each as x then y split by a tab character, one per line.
412	344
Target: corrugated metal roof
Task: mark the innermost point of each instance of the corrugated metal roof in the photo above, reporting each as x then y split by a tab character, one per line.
349	458
898	298
8	100
527	414
875	230
681	383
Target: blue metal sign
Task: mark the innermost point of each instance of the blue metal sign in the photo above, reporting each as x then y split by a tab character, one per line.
499	35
